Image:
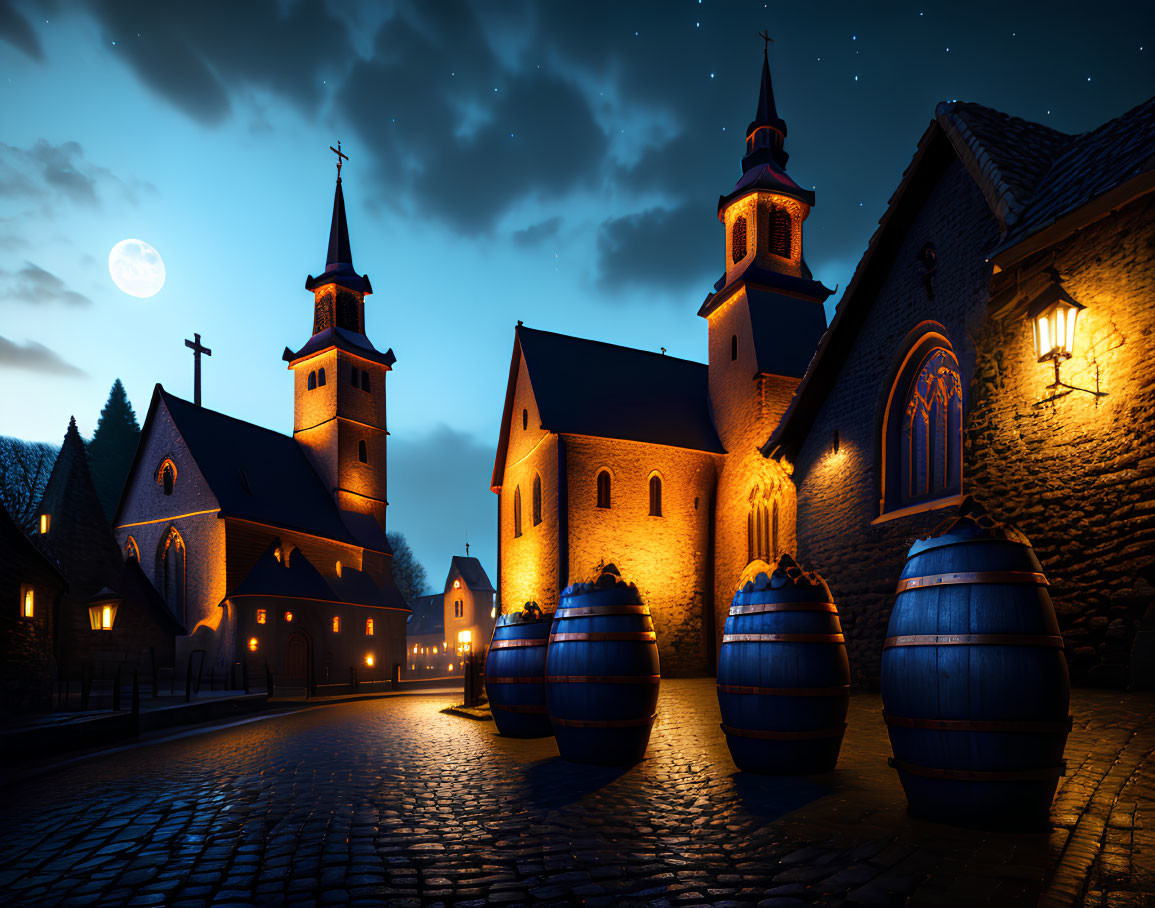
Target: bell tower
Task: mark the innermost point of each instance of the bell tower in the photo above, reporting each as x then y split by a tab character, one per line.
339	380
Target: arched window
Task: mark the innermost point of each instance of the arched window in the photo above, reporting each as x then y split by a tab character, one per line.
733	347
312	380
321	378
536	500
166	475
738	239
131	549
604	489
922	434
517	511
781	241
759	544
362	453
171	571
655	495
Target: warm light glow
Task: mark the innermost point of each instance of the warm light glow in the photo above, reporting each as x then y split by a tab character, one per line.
451	666
465	640
368	627
260	616
1054	315
457	584
336	624
493	612
338	568
45	522
102	617
435	650
415	648
29	603
252	644
369	660
288	617
106	618
277	555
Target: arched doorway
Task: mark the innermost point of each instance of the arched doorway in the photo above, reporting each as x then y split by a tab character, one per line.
297	659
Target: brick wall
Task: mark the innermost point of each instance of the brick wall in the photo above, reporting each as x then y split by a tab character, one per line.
1078	475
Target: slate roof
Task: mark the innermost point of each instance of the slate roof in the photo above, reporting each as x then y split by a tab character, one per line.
135	586
586	387
774	317
342	339
339	259
260	475
471	572
428	616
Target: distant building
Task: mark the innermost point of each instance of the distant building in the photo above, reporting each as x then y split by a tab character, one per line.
447	625
268	547
1008	251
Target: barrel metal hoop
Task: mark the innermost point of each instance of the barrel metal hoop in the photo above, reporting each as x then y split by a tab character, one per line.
603	679
595	636
528	710
783	638
604	723
585	611
974	640
995	725
767	735
842	690
523	679
764	607
918	583
514	644
1042	774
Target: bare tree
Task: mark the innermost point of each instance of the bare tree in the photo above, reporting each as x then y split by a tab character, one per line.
408	573
24	470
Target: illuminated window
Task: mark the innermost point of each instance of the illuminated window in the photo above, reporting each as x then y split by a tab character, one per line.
321	378
356	374
362	452
758	542
336	624
524	419
279	555
168	476
260	616
27	602
464	641
130	549
738	239
312	380
45	523
368	627
338	568
536	500
364	380
655	496
780	238
603	489
253	644
733	347
457	583
288	617
517	511
922	438
101	617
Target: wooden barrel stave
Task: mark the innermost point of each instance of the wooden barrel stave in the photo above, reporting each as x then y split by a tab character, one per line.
515	678
1004	670
602	693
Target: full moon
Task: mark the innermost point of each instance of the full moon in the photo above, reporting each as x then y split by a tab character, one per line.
136	268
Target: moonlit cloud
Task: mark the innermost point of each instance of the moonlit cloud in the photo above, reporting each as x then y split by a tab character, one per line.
34	286
34	357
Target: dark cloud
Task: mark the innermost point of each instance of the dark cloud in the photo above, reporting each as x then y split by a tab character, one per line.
35	286
62	171
535	233
196	55
444	498
660	248
34	357
14	29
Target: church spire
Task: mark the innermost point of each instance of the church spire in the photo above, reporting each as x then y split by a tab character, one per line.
339	259
766	135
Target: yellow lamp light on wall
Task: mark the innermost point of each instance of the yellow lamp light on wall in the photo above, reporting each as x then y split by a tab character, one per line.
253	644
1054	315
369	660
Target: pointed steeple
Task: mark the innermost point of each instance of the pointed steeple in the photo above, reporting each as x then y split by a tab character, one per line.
766	135
339	252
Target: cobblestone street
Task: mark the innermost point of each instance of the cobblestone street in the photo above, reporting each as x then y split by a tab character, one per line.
390	801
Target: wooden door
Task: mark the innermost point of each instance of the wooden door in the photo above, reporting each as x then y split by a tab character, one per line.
297	658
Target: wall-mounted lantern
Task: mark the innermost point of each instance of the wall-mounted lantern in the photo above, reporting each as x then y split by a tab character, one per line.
1054	314
253	644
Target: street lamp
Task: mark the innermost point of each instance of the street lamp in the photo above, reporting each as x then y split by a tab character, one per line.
1054	313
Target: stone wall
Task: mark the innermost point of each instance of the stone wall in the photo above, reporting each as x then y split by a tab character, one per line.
1078	474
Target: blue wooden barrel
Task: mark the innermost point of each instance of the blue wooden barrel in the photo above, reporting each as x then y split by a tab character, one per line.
515	673
601	672
974	684
783	676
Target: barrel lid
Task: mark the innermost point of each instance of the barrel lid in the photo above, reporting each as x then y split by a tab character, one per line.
529	614
971	523
609	584
789	577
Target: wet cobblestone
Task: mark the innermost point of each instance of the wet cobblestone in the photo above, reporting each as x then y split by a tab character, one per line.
392	802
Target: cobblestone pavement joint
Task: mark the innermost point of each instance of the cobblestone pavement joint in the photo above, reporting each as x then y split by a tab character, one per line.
391	801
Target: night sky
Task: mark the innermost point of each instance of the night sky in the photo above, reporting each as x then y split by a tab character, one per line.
554	162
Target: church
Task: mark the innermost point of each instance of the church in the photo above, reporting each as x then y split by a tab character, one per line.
270	549
1009	250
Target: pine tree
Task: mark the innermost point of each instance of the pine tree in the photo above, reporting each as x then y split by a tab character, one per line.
112	448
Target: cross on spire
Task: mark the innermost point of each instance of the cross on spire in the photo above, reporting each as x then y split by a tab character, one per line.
467	549
340	156
197	349
766	39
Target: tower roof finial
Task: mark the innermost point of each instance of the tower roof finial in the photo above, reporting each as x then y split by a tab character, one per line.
340	155
766	135
339	260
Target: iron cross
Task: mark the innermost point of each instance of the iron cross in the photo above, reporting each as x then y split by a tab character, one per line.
340	155
197	349
767	41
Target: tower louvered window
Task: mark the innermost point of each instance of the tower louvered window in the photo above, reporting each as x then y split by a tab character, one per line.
780	238
738	239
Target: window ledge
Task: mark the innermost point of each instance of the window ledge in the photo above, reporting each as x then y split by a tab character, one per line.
921	508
